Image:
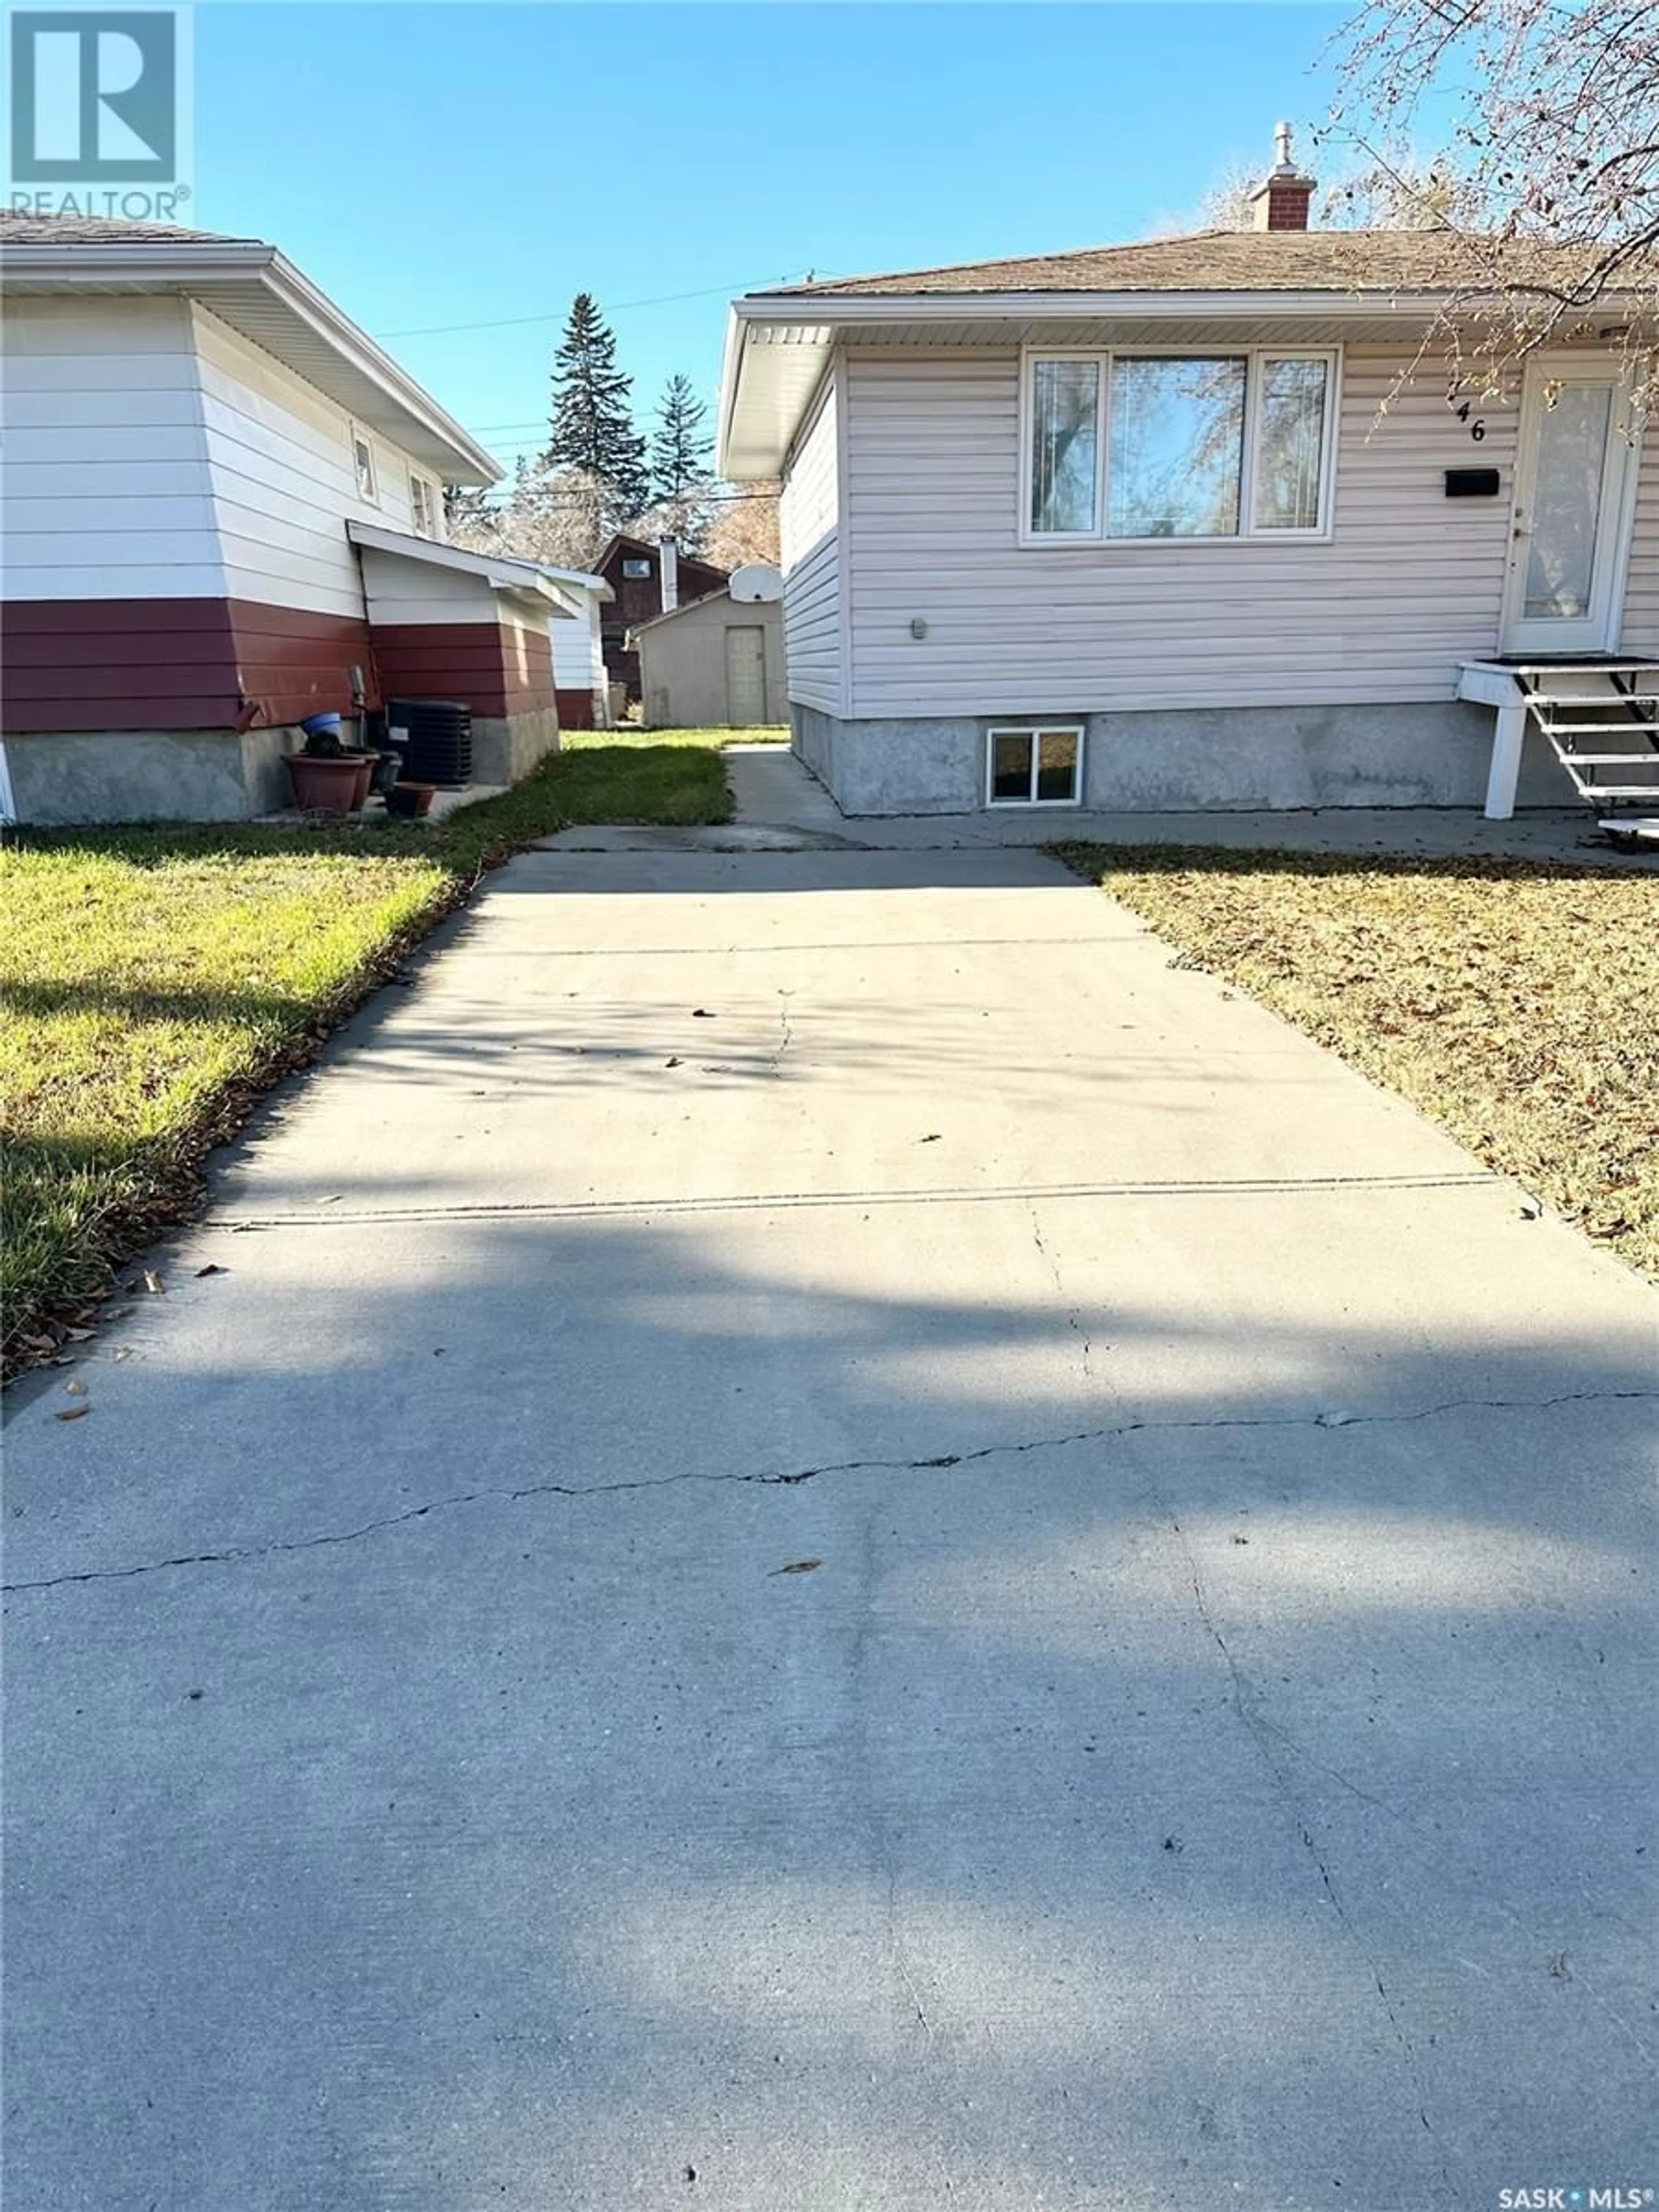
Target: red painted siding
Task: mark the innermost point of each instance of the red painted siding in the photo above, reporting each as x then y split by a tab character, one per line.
576	710
117	665
291	664
173	663
229	664
476	663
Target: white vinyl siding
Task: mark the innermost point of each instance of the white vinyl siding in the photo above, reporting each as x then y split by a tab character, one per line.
107	493
1641	628
578	651
284	480
1407	585
809	529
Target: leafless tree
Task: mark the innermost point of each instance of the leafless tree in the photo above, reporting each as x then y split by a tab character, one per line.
562	516
744	528
1386	186
1552	159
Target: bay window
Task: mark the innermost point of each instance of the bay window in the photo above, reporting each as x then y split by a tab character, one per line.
1127	445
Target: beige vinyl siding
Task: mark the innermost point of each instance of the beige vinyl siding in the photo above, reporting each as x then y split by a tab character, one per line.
809	525
283	480
107	493
1641	627
1408	583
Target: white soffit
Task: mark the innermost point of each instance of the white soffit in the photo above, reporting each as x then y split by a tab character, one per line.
774	366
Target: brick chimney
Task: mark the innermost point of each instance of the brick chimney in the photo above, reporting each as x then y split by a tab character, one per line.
1282	203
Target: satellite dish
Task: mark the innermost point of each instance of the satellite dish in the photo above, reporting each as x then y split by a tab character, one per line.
756	579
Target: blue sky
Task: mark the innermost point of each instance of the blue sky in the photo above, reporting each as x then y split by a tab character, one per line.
436	164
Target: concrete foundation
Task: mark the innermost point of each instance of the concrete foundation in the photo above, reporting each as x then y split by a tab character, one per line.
61	778
1250	758
506	747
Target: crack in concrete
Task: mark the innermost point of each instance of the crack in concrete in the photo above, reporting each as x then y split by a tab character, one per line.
1072	1322
1246	1704
785	1479
788	1037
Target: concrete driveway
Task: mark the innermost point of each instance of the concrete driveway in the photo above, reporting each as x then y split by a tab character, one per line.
836	1539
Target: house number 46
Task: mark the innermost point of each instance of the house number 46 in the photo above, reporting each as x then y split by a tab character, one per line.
1477	429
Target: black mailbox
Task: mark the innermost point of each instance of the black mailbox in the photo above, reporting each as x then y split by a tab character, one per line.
1471	484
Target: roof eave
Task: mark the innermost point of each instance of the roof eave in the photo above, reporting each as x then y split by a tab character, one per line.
176	266
301	295
835	316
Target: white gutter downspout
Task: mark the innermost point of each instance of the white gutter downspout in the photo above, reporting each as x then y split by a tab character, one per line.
7	804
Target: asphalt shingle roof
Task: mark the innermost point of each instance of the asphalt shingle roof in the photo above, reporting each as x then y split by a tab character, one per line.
19	227
1230	261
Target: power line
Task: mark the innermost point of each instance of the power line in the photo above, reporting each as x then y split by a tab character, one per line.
620	307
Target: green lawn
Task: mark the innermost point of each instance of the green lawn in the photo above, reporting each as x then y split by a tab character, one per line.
1513	1001
155	979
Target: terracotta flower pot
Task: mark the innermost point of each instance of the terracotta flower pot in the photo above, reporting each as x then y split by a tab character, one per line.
322	786
410	798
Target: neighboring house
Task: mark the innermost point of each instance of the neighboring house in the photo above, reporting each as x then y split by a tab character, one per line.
224	509
646	578
1194	524
716	662
579	670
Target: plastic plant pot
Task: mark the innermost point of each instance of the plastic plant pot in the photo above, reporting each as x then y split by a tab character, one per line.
409	799
322	786
365	765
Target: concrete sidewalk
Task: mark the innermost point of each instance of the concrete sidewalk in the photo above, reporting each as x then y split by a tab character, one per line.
772	788
836	1539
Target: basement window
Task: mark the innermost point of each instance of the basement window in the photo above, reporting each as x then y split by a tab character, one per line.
1034	767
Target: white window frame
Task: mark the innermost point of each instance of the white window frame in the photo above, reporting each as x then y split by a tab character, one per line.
1033	731
1248	531
424	495
360	437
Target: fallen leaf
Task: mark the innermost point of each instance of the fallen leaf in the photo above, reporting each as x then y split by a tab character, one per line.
798	1567
153	1283
74	1412
212	1268
76	1335
674	1062
702	1014
932	1138
77	1389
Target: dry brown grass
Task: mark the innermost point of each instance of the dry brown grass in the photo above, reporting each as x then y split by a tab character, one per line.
1516	1003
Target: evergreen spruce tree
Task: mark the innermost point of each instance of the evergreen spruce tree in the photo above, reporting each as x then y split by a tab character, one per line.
591	423
680	447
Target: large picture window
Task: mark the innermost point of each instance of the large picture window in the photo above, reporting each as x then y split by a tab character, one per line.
1122	446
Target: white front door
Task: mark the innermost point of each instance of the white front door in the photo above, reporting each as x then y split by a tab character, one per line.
1575	469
